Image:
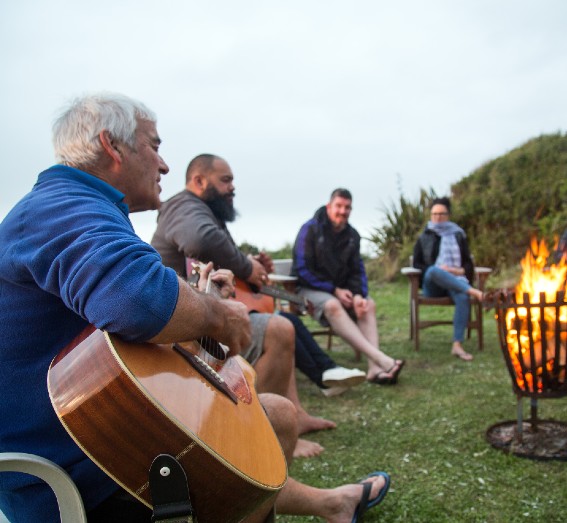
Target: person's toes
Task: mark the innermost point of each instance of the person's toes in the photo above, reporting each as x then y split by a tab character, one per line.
312	424
307	449
462	354
478	294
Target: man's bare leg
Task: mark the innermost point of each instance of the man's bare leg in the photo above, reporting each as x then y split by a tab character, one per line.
275	366
367	324
343	325
306	422
335	505
283	417
275	371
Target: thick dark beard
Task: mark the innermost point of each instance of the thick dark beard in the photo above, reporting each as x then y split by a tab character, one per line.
220	207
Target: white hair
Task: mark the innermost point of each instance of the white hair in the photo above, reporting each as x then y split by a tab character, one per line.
76	130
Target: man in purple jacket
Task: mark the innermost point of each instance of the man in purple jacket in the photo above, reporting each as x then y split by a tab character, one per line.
331	275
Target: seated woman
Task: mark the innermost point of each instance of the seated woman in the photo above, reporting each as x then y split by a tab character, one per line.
442	254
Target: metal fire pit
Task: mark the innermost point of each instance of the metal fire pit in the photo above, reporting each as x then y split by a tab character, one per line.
534	346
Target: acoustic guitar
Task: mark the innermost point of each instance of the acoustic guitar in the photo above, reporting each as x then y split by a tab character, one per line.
261	299
256	299
126	403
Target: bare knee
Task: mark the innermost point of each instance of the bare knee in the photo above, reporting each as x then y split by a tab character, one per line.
371	304
280	333
371	307
333	308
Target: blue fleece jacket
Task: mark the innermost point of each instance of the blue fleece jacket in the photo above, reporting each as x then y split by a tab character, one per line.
69	257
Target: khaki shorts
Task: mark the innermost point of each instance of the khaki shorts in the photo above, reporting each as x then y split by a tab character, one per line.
258	324
318	300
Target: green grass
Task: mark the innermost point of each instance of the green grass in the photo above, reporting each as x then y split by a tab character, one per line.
428	432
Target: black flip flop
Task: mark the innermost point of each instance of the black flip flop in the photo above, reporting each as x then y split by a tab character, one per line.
366	504
382	381
396	374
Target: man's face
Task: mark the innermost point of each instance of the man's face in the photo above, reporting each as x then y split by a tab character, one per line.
142	169
219	192
338	211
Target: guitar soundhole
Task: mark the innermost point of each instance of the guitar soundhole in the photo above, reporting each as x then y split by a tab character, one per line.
213	348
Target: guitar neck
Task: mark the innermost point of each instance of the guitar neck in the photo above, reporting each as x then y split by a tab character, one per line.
277	292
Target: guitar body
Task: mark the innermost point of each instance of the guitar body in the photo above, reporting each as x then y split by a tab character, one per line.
254	301
262	299
126	403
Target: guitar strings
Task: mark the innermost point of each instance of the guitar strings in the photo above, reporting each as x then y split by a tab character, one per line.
214	351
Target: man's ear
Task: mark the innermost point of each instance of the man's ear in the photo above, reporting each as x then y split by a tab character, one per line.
110	145
199	181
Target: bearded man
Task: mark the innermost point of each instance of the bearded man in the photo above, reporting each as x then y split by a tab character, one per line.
192	225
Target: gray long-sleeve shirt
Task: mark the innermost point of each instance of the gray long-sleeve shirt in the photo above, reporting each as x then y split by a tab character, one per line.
187	228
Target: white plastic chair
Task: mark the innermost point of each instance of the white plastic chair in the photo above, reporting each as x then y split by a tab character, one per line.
71	509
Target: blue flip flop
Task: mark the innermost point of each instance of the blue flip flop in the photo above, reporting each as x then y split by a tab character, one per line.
366	504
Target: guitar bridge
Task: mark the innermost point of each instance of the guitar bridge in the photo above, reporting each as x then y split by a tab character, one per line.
205	370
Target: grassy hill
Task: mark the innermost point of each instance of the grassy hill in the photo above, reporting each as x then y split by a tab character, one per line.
505	201
500	205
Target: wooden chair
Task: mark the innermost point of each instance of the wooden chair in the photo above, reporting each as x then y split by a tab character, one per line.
417	300
71	509
282	276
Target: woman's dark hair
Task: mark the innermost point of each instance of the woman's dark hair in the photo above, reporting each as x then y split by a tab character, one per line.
442	201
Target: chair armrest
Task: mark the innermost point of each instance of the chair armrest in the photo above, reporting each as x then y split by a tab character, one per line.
410	271
71	509
281	277
413	275
482	274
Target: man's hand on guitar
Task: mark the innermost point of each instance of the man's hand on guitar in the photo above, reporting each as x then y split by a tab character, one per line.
266	261
235	333
259	275
222	278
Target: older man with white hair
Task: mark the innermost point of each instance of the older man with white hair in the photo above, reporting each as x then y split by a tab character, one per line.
69	259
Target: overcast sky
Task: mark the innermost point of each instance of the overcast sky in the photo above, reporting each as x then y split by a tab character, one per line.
300	97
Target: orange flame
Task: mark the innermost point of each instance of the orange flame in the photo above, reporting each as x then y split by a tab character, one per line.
537	279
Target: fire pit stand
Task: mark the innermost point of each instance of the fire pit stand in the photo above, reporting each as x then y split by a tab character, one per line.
533	339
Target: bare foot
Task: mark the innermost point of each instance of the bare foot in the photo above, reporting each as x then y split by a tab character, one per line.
307	449
459	352
344	500
475	293
307	423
